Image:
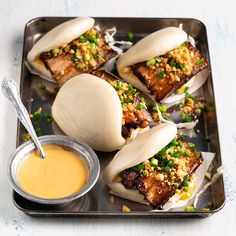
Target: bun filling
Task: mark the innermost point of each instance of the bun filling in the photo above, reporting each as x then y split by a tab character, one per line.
165	74
84	54
168	172
135	113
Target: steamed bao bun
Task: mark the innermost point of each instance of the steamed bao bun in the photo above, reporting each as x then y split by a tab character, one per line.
153	45
139	150
58	36
88	108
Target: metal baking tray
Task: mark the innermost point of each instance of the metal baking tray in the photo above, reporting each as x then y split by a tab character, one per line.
97	202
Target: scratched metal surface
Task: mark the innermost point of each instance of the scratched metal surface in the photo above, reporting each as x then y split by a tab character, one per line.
97	203
219	17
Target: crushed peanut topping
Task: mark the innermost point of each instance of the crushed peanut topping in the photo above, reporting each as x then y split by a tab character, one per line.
171	164
112	199
85	51
125	208
191	107
166	73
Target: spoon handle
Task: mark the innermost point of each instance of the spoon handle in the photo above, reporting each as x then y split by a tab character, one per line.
11	92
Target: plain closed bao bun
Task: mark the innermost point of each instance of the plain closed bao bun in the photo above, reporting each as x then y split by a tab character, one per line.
153	45
139	150
88	108
58	36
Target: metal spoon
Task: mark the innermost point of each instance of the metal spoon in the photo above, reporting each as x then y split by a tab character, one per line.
10	91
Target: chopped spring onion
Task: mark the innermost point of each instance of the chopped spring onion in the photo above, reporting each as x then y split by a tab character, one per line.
161	74
96	55
196	153
185	183
92	46
151	62
172	63
48	117
200	61
192	145
86	57
37	115
190	209
130	36
166	168
154	162
162	108
38	131
181	67
145	173
55	51
82	39
170	164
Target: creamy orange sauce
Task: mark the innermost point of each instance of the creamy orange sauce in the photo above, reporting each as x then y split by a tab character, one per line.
59	175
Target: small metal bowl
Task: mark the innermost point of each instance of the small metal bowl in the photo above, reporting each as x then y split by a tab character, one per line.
81	149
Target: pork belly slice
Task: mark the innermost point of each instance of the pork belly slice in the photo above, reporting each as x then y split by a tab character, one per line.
170	71
77	58
157	191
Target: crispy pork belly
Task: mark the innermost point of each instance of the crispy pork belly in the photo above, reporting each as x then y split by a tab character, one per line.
83	55
160	184
165	74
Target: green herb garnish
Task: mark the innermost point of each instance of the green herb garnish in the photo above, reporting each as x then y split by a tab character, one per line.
162	108
190	209
130	36
181	67
48	117
55	51
38	131
185	183
96	56
26	137
161	74
172	63
92	46
139	106
192	145
166	168
196	153
200	61
151	62
186	118
145	173
154	161
82	39
37	115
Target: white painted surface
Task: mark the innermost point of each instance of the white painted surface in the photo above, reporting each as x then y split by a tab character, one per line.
219	17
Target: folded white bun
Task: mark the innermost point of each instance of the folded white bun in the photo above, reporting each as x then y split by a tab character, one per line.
88	108
139	150
153	45
58	36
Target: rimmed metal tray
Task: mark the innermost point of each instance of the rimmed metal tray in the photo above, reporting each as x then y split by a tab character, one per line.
36	92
